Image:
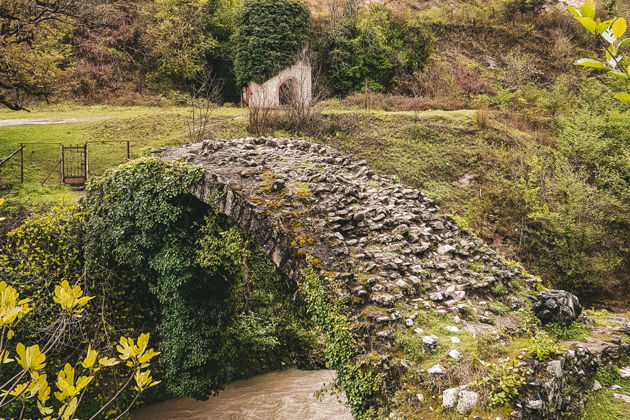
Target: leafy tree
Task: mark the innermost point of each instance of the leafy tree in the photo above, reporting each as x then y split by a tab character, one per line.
180	42
609	33
373	45
270	35
32	46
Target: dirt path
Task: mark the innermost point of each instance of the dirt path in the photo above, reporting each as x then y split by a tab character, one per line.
38	121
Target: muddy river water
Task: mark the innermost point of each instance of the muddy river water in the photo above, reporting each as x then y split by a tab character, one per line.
274	396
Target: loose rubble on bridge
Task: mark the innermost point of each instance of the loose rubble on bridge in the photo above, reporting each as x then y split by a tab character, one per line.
388	253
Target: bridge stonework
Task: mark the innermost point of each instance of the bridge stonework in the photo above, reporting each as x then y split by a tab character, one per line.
383	243
378	243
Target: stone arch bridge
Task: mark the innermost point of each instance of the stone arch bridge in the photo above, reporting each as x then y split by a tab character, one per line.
380	243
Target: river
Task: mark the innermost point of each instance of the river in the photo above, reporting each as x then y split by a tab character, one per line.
284	395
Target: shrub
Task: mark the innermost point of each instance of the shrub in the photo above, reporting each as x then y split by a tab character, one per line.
543	347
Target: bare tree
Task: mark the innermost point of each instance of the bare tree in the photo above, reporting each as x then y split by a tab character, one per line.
206	97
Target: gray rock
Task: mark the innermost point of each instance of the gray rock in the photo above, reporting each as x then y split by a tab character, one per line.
445	249
555	368
466	402
436	370
623	397
557	306
430	340
597	386
449	397
534	404
451	328
454	354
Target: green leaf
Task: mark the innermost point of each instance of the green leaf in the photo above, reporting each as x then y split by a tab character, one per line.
587	62
624	42
619	27
619	74
623	96
588	23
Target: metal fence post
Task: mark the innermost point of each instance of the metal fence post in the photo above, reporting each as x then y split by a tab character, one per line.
21	163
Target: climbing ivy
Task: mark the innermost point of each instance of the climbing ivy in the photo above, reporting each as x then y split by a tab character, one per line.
224	311
270	34
357	378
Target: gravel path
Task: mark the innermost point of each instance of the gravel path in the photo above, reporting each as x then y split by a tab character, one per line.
39	121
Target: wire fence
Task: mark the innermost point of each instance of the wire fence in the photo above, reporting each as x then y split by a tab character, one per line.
49	163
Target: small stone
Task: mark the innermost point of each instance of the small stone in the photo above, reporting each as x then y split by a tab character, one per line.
418	330
454	354
445	249
409	322
597	386
436	370
430	340
615	387
467	400
455	340
436	296
451	328
534	404
420	397
449	397
555	368
625	398
625	372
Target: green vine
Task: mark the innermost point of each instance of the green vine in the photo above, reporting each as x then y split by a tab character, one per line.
358	378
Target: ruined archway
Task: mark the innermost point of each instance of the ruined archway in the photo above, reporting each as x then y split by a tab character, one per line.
288	92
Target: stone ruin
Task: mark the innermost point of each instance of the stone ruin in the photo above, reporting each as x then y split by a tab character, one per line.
379	244
292	85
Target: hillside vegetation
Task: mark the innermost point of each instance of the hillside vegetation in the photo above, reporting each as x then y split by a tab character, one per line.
476	103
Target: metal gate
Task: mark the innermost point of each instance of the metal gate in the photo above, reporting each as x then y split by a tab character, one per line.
74	164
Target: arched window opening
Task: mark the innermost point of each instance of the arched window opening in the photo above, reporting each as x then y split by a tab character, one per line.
288	92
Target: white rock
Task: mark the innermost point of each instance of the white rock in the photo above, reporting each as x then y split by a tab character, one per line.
622	397
430	340
409	322
467	400
534	404
436	370
455	340
449	397
597	386
418	330
454	354
625	372
444	249
420	397
436	296
451	328
615	387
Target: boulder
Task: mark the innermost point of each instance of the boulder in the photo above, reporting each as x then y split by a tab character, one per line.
557	306
466	402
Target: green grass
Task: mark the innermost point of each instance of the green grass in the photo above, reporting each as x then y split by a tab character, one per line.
147	128
601	404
